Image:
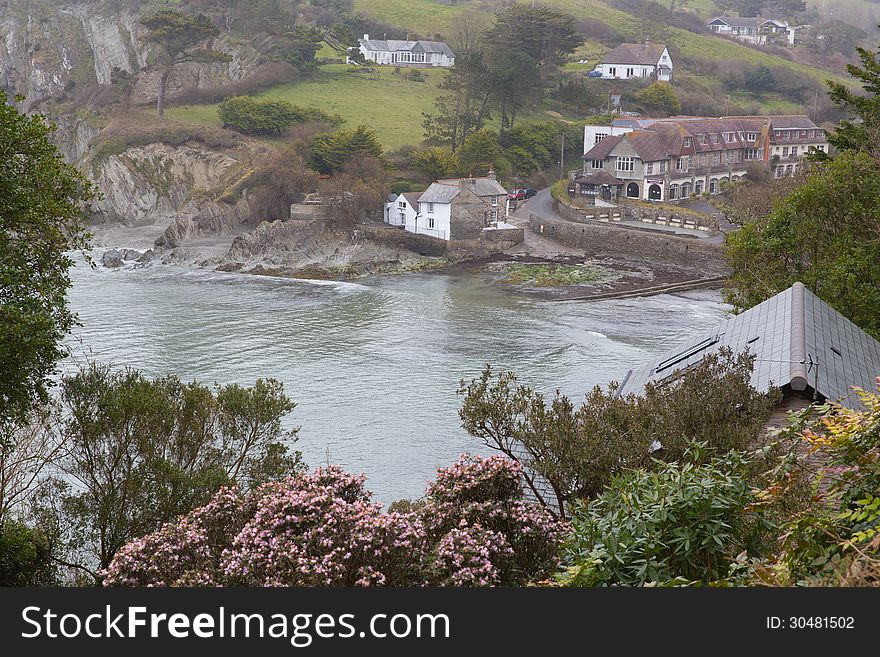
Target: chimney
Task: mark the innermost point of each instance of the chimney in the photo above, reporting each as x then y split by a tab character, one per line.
366	37
491	174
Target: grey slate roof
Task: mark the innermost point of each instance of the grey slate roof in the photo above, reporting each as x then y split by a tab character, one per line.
799	342
635	53
399	45
439	193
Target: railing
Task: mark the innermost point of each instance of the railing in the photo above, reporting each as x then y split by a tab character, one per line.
432	232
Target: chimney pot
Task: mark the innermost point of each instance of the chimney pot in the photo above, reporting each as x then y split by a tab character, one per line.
366	37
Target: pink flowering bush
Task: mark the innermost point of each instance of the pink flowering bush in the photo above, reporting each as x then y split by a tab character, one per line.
321	529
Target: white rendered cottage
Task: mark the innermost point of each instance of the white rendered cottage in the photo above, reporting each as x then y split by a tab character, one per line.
632	60
460	208
402	208
397	52
753	30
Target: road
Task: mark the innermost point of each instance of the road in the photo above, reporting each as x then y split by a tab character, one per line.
533	244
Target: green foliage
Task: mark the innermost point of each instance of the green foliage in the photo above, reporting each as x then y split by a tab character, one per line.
659	97
175	36
537	146
819	235
25	556
335	151
559	191
268	117
479	153
858	134
835	540
760	79
681	523
553	275
42	217
141	452
434	163
578	449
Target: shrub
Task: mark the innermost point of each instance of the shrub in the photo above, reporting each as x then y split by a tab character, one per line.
268	117
25	556
680	524
321	529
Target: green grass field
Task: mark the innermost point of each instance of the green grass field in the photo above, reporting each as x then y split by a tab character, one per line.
388	103
393	106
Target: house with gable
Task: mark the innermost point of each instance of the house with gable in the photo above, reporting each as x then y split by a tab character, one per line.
633	60
400	208
755	30
679	157
403	52
460	208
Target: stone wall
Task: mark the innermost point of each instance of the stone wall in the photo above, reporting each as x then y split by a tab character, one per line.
608	239
489	241
646	215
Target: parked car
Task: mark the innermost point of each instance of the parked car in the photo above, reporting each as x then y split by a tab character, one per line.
529	192
517	195
594	74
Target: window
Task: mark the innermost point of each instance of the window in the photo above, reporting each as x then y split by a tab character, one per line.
401	205
731	156
703	139
716	158
630	72
803	133
683	164
778	133
431	208
754	153
673	192
418	57
599	137
752	136
649	168
403	217
663	166
430	221
597	164
785	151
714	138
687	142
494	201
612	71
494	215
729	137
403	57
625	163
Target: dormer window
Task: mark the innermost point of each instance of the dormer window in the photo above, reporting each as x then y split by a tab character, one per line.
687	142
752	136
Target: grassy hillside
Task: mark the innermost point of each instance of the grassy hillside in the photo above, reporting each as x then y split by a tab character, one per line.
392	104
388	103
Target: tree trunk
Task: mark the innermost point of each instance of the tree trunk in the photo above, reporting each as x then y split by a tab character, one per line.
160	97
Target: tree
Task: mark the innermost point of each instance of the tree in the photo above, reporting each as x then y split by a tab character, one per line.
652	20
434	163
467	31
334	151
659	97
26	557
464	105
43	209
175	37
142	452
479	153
571	452
833	36
825	234
858	135
759	79
473	528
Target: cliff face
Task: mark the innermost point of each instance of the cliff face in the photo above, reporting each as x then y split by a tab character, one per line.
50	49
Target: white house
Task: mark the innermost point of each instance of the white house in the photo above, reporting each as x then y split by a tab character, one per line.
459	208
397	52
632	60
753	30
402	208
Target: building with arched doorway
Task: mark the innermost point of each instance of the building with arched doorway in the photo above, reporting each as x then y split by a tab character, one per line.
677	158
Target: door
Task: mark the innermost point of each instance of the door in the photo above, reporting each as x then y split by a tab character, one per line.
632	190
654	193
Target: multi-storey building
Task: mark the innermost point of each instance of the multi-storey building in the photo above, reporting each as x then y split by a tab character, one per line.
676	158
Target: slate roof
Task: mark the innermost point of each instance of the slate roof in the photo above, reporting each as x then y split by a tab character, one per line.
799	343
736	21
439	193
600	151
481	186
634	53
412	198
398	45
600	177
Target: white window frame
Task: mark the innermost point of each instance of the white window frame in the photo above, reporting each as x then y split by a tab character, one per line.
430	208
628	162
597	164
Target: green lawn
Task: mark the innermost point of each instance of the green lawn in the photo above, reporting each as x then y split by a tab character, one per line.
388	103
